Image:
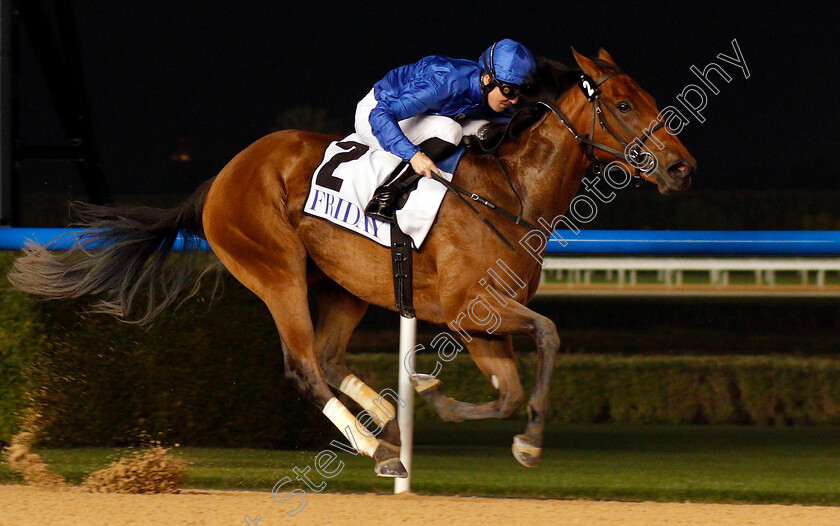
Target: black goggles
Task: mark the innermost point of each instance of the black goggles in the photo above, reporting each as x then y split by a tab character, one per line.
509	91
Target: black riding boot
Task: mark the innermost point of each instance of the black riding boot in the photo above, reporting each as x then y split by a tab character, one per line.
383	205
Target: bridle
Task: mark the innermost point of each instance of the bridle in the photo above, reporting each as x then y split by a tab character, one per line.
586	142
633	155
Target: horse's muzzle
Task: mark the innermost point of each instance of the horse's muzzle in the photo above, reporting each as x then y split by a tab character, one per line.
679	176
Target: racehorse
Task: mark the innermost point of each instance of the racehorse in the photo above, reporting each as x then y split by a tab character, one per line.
251	214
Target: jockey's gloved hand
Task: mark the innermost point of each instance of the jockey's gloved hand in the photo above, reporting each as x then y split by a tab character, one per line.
423	165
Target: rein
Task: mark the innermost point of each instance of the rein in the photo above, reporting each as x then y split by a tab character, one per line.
461	192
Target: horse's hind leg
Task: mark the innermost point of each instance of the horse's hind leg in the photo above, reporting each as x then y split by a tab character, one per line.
339	312
287	301
258	246
494	356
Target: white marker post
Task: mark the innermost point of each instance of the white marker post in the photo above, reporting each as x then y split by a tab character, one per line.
405	415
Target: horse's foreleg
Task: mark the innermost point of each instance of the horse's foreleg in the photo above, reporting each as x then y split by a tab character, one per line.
518	319
339	312
527	448
494	356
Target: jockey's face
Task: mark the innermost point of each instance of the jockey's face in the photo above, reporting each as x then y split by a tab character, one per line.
496	100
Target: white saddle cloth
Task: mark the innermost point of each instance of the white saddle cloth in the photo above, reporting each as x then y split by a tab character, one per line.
345	181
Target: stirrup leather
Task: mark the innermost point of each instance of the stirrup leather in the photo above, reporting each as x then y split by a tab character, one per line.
401	260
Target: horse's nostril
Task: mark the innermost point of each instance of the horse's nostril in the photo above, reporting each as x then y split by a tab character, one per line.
679	170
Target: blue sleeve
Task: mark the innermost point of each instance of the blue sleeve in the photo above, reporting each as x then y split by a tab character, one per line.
415	98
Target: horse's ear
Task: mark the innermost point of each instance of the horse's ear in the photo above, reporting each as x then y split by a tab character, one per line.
587	65
606	57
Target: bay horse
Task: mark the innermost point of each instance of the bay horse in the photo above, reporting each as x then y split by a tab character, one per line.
251	214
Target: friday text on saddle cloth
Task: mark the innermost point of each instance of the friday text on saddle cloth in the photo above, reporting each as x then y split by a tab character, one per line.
345	181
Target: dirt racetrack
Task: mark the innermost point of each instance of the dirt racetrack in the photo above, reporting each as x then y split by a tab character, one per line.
28	505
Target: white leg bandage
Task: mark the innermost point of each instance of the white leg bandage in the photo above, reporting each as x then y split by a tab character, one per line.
369	399
341	417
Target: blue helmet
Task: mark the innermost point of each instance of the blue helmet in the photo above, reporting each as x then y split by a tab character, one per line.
509	62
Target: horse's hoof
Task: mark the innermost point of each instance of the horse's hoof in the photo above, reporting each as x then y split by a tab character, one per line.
525	452
391	468
424	382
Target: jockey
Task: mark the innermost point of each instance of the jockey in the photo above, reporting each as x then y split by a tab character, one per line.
416	112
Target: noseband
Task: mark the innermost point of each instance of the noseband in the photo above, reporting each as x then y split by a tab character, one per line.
587	143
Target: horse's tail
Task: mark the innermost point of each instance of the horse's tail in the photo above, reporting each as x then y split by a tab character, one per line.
122	251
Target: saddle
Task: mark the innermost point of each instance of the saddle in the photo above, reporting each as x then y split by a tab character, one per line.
401	246
447	157
343	184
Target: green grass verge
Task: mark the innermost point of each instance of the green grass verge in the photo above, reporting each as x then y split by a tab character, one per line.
661	463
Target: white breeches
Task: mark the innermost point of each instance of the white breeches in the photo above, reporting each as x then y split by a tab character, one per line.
417	129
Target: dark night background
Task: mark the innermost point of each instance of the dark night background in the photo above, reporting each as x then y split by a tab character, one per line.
215	75
207	78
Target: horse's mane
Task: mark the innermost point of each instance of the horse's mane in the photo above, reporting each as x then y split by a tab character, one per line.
552	80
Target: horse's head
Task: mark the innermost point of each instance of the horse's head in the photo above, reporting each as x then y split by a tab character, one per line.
629	124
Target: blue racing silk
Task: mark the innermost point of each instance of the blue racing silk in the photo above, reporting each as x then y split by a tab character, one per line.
434	85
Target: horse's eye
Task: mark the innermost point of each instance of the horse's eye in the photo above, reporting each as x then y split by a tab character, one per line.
624	106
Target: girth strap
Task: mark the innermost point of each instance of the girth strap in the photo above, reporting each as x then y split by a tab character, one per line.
401	262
